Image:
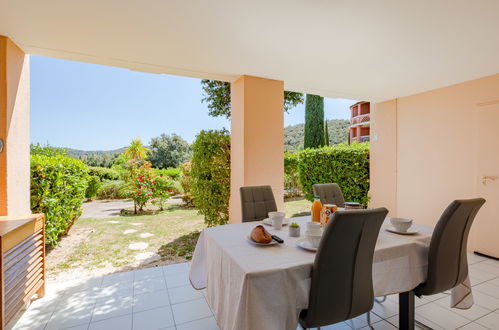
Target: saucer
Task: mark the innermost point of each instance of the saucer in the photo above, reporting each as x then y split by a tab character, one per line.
272	242
304	244
268	222
410	231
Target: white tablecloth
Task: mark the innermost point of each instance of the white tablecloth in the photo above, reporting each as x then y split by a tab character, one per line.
253	287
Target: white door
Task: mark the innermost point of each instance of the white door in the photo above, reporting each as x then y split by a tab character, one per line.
486	225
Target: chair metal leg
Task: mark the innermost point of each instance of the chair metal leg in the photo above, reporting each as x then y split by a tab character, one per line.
368	315
380	300
406	310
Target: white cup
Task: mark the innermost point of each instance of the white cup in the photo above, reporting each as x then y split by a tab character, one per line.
314	228
277	219
277	223
313	238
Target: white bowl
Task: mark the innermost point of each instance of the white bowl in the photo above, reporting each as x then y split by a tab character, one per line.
401	224
313	238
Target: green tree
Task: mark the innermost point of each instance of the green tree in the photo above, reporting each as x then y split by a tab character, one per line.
210	173
217	96
314	122
168	151
136	150
326	134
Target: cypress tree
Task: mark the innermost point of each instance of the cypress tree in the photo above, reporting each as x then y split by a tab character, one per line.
314	122
326	134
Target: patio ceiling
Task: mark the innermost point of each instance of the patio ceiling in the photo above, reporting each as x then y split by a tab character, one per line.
372	50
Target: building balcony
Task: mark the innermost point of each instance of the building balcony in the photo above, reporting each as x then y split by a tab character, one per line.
360	119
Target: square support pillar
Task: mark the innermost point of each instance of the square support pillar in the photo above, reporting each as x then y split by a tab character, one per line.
257	139
14	130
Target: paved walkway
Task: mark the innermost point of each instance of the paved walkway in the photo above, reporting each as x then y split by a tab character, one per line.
105	208
109	208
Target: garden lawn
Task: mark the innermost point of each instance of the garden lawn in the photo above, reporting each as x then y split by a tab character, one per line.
100	246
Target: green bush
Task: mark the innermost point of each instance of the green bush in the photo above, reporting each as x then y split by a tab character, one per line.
58	186
186	184
93	186
291	182
346	165
211	175
105	173
172	172
112	189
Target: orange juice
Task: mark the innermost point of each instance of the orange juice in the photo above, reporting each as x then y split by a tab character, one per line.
327	211
316	209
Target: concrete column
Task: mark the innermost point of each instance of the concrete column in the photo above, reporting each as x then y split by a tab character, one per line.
14	130
257	139
384	156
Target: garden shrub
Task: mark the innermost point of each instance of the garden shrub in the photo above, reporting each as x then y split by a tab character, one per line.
186	184
105	173
58	186
211	175
172	172
112	189
94	184
346	165
291	182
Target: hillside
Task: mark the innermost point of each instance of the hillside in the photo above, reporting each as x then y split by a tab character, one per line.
293	135
75	153
293	141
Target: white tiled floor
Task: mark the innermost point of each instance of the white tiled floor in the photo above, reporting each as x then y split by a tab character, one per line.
162	298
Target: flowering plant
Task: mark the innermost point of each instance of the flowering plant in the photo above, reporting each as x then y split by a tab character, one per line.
163	189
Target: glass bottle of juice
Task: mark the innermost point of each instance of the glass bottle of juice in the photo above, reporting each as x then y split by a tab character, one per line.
316	209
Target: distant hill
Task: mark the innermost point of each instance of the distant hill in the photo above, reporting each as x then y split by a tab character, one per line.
293	141
75	153
293	135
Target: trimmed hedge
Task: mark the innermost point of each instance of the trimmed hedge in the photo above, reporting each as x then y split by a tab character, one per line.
172	172
211	175
346	165
105	173
291	183
58	186
112	189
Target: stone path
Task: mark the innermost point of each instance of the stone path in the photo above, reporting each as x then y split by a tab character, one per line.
138	246
105	208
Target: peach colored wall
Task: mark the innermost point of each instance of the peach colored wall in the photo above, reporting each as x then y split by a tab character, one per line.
3	125
14	111
257	138
434	156
383	165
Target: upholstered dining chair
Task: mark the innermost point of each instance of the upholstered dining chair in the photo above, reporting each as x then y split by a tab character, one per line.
342	284
256	202
329	193
447	258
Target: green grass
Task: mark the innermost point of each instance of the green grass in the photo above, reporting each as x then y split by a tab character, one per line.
297	208
175	233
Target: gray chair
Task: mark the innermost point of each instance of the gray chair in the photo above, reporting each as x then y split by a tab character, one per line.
256	202
330	193
342	286
447	259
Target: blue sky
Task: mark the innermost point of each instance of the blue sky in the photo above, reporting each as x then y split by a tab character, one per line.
94	107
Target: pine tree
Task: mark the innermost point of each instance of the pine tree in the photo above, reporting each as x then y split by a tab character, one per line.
326	134
314	121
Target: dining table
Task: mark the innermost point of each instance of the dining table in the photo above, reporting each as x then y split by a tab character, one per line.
265	287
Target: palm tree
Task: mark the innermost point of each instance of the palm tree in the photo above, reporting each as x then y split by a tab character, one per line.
136	150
